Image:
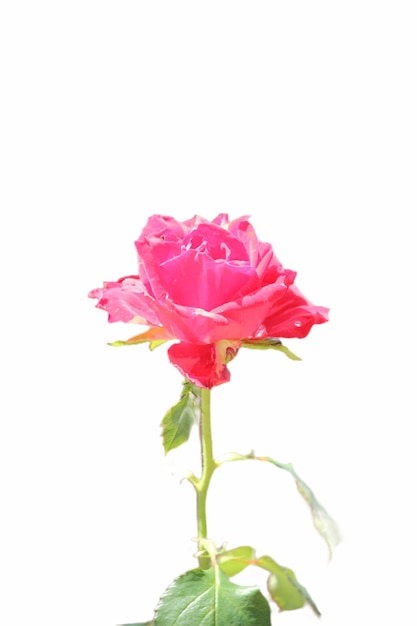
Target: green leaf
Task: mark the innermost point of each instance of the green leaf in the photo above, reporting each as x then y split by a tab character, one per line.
232	562
178	421
324	524
208	598
271	343
139	624
156	336
284	587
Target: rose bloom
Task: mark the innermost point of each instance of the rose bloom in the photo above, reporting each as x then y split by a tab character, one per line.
210	286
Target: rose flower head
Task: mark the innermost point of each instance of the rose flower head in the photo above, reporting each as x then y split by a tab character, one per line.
211	286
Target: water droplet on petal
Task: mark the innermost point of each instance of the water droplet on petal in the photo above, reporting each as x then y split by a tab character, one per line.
298	324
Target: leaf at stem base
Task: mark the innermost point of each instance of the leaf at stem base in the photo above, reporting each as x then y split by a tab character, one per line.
139	624
208	598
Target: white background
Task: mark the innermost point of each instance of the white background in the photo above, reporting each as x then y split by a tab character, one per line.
301	114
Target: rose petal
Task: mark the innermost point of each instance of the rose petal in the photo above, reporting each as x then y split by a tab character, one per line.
245	233
194	279
294	316
209	268
125	301
217	242
152	253
165	227
238	319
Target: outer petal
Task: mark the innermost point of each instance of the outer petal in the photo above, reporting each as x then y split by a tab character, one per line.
235	320
205	365
125	301
247	314
152	253
293	317
189	324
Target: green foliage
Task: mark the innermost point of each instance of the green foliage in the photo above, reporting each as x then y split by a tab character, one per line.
232	562
208	598
139	624
284	587
271	343
324	524
178	421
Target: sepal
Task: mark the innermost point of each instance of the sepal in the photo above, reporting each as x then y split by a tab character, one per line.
271	343
156	336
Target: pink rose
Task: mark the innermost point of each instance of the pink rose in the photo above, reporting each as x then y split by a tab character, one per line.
209	285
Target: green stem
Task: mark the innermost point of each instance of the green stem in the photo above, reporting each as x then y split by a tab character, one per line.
208	466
